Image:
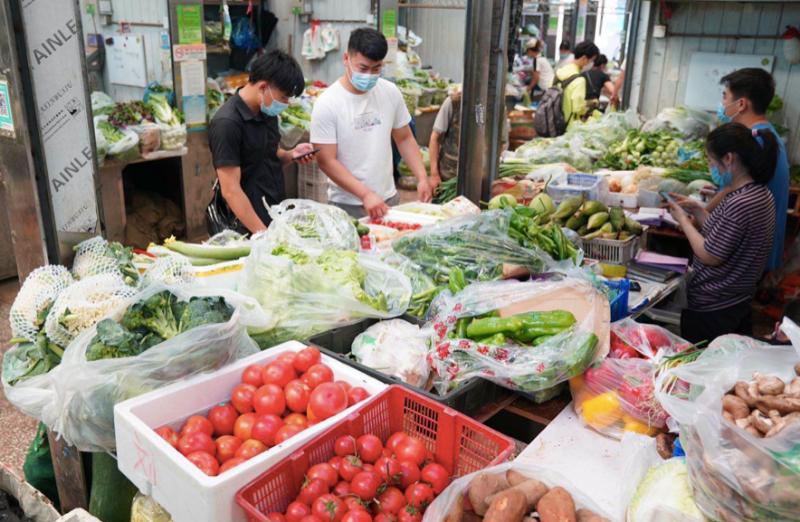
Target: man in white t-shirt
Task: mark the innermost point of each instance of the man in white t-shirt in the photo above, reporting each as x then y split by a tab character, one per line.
353	124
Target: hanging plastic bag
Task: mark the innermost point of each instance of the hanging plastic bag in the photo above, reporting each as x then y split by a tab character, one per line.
691	123
545	333
312	48
377	348
102	103
309	292
447	502
306	224
329	38
244	35
736	475
122	143
76	399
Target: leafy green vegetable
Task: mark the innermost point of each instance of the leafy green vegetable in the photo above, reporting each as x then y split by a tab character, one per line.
446	191
129	113
664	148
162	110
110	133
665	489
28	359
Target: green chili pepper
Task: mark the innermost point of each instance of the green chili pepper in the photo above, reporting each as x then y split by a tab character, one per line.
495	340
461	328
480	328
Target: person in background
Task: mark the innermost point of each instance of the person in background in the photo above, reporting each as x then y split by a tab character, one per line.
731	243
542	73
445	136
598	80
565	55
244	140
619	84
574	97
353	124
747	94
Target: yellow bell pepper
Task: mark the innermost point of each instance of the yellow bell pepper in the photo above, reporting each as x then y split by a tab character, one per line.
637	426
602	410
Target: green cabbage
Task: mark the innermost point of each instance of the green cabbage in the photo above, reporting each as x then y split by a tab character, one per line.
665	494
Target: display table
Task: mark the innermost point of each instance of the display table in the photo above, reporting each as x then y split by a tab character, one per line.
592	463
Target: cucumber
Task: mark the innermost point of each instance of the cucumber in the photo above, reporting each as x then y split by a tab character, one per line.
112	494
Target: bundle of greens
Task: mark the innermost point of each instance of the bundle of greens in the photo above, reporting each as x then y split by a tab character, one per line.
129	113
111	133
446	191
163	112
152	321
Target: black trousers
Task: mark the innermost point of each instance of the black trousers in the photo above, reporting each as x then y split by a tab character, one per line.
699	326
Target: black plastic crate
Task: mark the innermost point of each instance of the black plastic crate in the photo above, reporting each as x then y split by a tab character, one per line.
468	398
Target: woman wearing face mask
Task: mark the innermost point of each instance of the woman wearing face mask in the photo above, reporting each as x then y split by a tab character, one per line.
732	242
244	140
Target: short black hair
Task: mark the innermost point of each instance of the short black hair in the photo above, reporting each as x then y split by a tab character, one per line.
369	42
600	60
280	70
753	83
564	46
587	48
756	149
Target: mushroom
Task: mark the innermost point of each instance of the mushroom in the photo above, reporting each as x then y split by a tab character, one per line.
782	423
783	404
761	422
747	393
768	384
793	389
735	406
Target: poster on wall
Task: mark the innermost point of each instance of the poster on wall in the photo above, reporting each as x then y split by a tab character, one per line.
59	92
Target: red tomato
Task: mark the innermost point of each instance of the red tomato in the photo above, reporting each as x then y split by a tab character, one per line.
269	399
335	463
419	495
197	423
296	511
205	461
311	518
409	473
275	517
435	475
395	440
341	489
365	485
266	427
287	431
278	372
345	385
325	401
412	449
353	503
317	374
324	472
329	508
297	418
252	375
391	501
359	515
369	448
223	417
368	467
306	358
350	467
356	395
384	517
197	441
250	448
297	394
389	470
287	357
226	447
345	445
311	490
232	463
242	397
243	427
409	514
169	435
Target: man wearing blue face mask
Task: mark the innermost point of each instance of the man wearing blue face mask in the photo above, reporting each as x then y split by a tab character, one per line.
353	124
746	95
244	139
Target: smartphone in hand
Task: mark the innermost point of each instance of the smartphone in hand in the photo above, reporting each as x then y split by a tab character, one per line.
670	199
306	155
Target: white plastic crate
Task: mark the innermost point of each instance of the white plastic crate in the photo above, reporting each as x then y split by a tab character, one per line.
312	183
578	184
620	199
611	250
159	470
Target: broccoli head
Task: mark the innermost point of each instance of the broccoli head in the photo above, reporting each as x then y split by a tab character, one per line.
154	314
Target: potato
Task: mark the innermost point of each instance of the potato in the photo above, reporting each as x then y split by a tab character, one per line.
482	487
587	515
531	488
557	506
456	513
515	477
507	506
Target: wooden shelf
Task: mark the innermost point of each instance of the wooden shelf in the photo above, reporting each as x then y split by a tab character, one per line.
542	413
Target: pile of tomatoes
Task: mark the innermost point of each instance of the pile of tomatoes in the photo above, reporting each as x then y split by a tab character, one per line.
399	225
273	403
368	482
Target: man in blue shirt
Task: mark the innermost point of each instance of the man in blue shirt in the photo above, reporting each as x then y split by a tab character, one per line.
745	98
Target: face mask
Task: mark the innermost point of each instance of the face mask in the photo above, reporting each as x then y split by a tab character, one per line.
721	116
362	81
274	108
721	180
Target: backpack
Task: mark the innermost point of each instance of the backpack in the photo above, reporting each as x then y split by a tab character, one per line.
549	120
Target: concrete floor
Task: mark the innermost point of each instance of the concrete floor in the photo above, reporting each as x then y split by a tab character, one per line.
16	429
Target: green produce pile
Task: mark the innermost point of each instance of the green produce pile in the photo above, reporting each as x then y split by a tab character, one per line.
514	167
30	359
163	112
110	132
658	149
531	328
296	116
129	113
214	100
152	321
446	191
592	219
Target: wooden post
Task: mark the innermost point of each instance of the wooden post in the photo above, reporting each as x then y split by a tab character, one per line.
70	479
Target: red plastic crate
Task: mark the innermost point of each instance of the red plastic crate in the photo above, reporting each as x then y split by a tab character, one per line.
460	444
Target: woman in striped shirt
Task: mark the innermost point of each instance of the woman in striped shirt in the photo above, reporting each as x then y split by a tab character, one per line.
731	244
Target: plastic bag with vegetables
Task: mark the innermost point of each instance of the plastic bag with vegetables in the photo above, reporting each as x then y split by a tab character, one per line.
736	474
306	224
122	143
377	348
527	337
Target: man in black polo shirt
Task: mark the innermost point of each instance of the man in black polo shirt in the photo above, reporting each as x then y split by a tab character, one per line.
244	139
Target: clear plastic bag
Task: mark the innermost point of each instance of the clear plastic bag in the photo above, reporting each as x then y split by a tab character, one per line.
735	475
76	399
377	348
173	137
149	136
306	293
693	124
102	103
306	224
38	293
126	146
441	506
520	367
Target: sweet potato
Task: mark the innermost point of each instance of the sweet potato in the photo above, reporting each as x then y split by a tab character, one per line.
587	515
482	487
456	513
507	506
556	506
515	477
531	488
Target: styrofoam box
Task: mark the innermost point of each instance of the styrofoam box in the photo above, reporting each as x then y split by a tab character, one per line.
159	470
399	216
426	209
219	275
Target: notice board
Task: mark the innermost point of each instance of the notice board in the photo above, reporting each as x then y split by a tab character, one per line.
126	61
703	90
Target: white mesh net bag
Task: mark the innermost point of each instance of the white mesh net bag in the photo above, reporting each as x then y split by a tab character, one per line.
97	256
83	304
168	270
38	292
